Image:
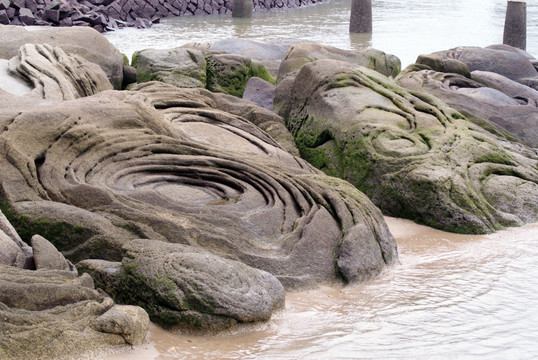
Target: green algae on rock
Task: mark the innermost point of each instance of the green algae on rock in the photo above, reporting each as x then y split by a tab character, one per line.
413	155
191	68
189	288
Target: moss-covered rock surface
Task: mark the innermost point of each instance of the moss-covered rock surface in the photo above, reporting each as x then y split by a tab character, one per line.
413	155
191	68
186	287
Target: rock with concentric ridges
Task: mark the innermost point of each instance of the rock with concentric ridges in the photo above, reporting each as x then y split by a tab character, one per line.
167	164
411	153
56	75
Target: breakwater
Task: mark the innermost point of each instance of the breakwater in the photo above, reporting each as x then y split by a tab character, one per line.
104	15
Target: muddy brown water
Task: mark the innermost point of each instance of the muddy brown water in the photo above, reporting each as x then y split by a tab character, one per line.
451	296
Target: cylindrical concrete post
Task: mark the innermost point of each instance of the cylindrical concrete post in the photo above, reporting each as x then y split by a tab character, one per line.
242	8
515	24
360	20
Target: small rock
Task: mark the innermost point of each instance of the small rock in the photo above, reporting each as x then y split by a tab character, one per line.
46	256
52	15
131	322
19	4
260	91
26	16
4	19
4	4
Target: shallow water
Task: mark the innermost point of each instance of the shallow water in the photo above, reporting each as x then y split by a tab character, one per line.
404	28
452	296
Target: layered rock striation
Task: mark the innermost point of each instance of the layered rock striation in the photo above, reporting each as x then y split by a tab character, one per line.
412	154
495	87
228	214
82	42
167	164
48	311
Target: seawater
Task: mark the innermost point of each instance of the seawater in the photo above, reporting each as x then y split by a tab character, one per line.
451	296
406	28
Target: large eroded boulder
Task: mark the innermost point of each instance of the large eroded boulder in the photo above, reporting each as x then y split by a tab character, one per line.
412	154
82	41
180	67
229	74
189	68
269	53
301	54
188	287
168	164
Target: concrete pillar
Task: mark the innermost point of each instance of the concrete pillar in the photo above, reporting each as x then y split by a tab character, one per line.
242	8
515	24
360	20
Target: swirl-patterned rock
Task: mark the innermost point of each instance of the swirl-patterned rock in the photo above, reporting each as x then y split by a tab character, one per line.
412	154
57	75
166	164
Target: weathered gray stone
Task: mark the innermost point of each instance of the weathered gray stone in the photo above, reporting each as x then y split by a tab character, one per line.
74	41
174	280
499	105
260	91
53	15
46	256
47	314
412	154
511	64
444	65
26	16
229	74
56	75
4	4
129	75
179	67
170	164
4	18
269	53
300	54
131	322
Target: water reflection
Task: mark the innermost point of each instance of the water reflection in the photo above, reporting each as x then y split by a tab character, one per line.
360	41
242	27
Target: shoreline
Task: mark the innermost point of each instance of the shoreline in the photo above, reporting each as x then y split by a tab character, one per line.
417	241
